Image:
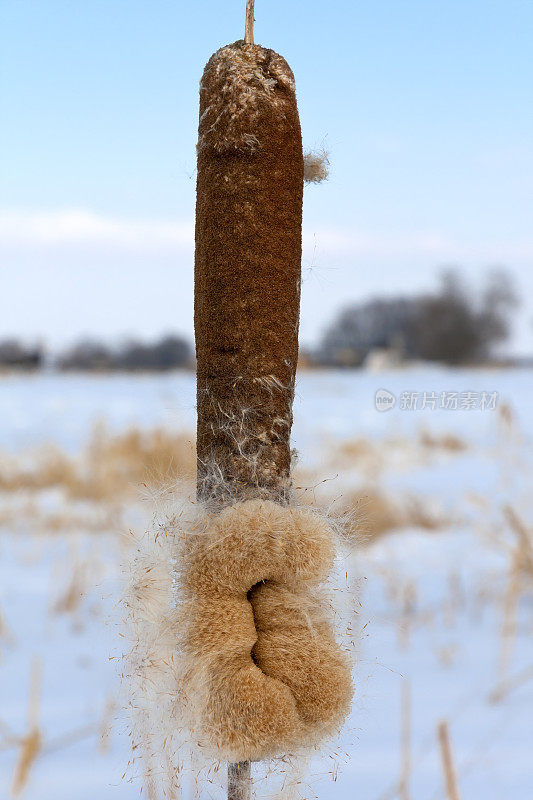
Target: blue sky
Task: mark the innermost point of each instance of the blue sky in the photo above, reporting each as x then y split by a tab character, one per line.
425	107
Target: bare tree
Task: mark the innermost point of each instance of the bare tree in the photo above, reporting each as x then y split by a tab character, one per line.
361	328
451	325
454	327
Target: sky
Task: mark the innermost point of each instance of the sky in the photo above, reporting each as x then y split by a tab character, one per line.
425	108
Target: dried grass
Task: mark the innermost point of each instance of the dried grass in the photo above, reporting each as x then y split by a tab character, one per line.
110	468
373	457
100	484
26	513
446	441
373	514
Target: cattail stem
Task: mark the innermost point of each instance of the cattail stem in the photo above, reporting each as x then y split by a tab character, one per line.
239	781
249	25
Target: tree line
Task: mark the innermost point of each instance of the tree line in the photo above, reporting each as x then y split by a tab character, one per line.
91	355
453	325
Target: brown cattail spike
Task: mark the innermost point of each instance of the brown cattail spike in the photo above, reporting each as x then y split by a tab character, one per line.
247	272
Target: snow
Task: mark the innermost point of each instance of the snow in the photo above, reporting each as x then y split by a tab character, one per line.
431	614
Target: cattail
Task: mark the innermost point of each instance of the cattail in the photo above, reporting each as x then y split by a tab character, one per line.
255	658
247	272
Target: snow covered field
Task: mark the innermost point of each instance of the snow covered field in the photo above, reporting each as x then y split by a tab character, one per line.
446	602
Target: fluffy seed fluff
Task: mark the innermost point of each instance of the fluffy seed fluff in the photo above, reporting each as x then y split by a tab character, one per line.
233	653
316	166
244	83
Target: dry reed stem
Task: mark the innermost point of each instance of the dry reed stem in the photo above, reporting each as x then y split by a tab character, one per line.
30	748
409	597
510	614
521	568
450	781
523	555
512	683
71	598
31	744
